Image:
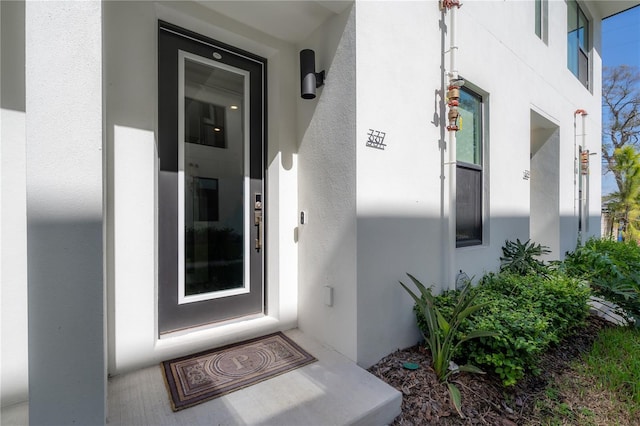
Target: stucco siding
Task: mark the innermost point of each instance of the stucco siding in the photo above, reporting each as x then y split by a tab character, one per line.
327	190
402	50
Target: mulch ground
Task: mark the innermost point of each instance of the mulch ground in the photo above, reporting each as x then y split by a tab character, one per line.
484	400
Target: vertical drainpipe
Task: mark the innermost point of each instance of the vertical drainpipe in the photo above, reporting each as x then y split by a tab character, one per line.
583	187
452	74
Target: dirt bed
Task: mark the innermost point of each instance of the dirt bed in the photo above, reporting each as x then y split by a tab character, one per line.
484	400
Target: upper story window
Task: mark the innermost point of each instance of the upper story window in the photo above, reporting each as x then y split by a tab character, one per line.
469	170
578	42
541	18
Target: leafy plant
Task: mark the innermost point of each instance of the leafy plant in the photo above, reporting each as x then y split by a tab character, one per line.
519	258
442	335
612	269
530	314
527	314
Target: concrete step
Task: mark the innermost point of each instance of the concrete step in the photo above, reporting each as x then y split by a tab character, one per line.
606	310
331	391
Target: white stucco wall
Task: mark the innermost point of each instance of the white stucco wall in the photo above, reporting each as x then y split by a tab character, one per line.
327	190
399	199
13	216
63	87
544	228
398	188
13	359
521	73
536	74
131	124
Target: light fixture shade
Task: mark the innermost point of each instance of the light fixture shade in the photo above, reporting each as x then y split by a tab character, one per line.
309	79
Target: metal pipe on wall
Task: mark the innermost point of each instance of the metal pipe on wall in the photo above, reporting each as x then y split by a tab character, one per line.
582	170
451	6
585	177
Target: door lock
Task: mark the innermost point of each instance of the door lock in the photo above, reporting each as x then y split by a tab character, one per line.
257	219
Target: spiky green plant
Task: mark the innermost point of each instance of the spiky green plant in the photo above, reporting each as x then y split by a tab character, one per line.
520	258
442	336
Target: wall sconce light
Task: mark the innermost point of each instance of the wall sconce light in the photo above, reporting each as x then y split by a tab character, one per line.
310	80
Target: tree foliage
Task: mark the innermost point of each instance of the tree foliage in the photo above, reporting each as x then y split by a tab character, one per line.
624	204
621	114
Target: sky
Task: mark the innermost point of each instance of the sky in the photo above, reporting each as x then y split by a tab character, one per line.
620	45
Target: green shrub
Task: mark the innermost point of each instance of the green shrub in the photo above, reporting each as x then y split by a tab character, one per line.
527	313
530	314
613	270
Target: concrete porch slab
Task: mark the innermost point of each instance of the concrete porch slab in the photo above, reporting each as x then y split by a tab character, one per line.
15	415
331	391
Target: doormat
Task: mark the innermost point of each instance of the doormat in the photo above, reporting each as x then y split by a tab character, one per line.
200	377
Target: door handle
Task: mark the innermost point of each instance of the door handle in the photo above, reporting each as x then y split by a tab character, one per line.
257	220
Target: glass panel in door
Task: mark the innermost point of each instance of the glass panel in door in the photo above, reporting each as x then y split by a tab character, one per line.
215	162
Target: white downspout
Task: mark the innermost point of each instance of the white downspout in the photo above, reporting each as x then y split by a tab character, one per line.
452	74
582	177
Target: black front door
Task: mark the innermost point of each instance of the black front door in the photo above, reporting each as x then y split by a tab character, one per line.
211	114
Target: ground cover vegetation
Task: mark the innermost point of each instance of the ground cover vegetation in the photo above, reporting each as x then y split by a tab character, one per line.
528	326
622	346
600	388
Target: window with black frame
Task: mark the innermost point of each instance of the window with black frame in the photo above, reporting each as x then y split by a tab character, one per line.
578	42
469	170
